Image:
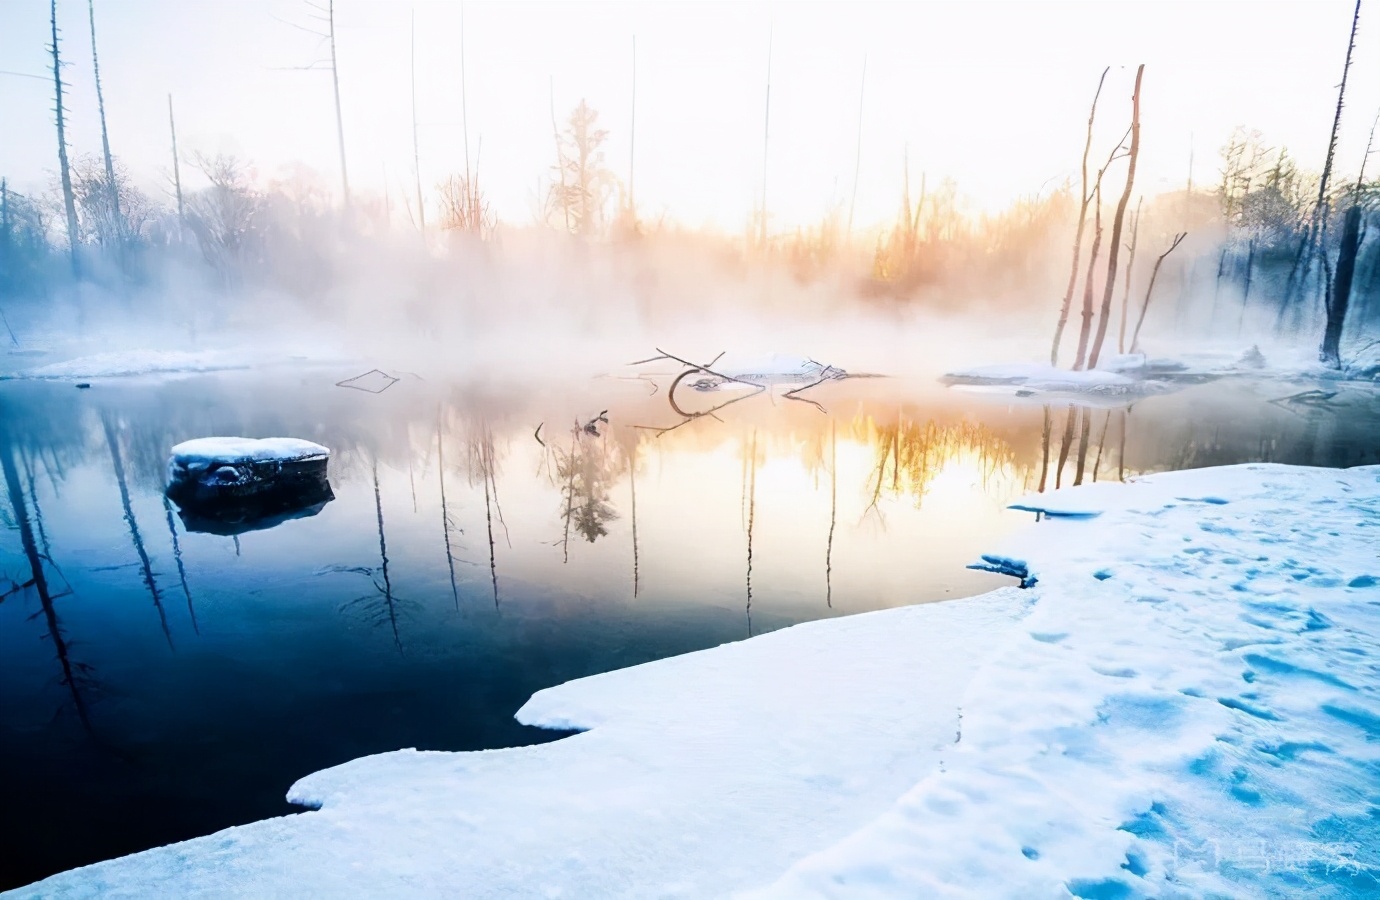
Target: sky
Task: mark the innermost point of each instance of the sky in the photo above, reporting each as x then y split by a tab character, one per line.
991	94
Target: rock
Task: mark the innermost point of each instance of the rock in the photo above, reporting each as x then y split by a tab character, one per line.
228	485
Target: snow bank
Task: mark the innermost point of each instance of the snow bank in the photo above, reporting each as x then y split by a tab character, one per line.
698	775
138	362
1046	379
1190	708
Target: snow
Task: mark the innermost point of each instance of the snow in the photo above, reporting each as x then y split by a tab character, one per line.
698	774
1045	379
138	362
1191	708
200	453
1185	706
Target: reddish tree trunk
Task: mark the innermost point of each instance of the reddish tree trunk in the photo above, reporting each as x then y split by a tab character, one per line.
1117	220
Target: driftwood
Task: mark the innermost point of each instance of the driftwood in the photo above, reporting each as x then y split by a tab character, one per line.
824	374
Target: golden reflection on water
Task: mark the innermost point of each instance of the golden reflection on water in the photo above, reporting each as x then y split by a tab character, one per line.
911	456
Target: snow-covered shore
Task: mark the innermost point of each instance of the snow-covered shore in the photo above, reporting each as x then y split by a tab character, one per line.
1187	704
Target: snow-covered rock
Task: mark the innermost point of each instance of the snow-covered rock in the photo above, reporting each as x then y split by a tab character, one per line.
199	453
213	468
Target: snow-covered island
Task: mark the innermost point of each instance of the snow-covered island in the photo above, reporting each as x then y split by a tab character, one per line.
1186	704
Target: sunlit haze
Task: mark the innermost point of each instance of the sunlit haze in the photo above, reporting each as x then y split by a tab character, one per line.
992	95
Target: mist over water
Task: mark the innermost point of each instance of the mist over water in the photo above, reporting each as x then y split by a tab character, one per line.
482	543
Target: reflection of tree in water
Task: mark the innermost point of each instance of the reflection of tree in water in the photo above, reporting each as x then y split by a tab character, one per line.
909	455
136	538
389	611
750	507
75	675
1080	419
481	467
586	472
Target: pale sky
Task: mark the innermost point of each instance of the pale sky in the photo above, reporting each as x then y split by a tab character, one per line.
991	94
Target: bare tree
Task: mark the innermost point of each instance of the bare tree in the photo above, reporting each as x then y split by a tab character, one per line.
586	184
1086	329
224	216
111	211
563	197
339	120
766	142
1336	305
68	199
1084	198
416	155
1314	241
177	173
326	16
1330	353
100	106
464	98
632	134
1130	264
1154	273
1110	286
857	154
463	207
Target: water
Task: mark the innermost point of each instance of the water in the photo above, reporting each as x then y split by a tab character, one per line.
168	683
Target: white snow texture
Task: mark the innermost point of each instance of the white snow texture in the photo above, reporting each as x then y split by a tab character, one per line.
201	452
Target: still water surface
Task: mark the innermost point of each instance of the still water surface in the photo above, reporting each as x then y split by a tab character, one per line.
157	684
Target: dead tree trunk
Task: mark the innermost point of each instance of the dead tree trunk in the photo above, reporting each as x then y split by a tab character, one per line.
1217	285
1078	235
177	174
1117	220
1130	264
1315	236
1341	289
1154	273
1246	293
69	200
105	135
339	120
560	157
464	115
416	153
857	154
1086	329
766	144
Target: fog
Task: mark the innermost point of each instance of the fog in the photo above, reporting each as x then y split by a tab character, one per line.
436	272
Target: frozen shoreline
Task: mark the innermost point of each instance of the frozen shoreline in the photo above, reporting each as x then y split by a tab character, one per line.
1191	687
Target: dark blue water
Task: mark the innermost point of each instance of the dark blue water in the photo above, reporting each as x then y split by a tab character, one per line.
157	684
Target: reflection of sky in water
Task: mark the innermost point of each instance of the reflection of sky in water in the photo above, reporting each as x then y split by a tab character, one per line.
289	650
